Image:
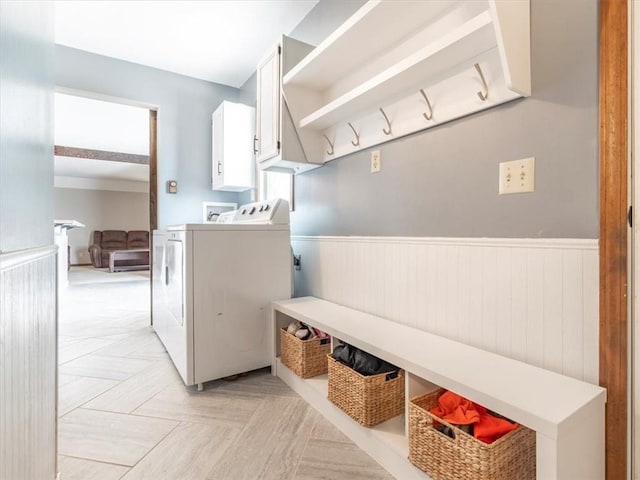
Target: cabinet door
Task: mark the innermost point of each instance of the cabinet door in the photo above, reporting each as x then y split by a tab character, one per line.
232	166
217	136
268	107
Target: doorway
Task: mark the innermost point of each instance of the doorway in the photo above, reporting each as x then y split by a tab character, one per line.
105	145
105	181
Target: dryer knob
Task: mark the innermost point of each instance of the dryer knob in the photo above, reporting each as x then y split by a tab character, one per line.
252	211
266	207
244	210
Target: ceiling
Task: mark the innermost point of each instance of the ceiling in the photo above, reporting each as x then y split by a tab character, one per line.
97	125
100	169
219	41
88	123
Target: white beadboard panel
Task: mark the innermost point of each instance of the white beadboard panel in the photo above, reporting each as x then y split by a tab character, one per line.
518	300
534	284
552	307
504	332
534	300
572	314
488	309
28	318
590	312
476	287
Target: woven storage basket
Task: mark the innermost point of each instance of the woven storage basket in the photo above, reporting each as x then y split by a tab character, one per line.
305	358
369	400
511	457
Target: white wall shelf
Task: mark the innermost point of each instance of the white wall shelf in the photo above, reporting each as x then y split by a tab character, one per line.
474	36
328	62
388	51
567	414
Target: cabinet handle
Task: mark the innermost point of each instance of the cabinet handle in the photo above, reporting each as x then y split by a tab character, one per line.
255	149
166	275
219	165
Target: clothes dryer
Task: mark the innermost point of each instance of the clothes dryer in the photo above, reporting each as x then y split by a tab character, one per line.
212	289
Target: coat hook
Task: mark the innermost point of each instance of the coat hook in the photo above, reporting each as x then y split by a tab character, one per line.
357	142
430	115
387	131
330	144
483	95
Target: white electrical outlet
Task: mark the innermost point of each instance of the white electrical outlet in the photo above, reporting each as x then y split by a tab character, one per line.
376	161
517	176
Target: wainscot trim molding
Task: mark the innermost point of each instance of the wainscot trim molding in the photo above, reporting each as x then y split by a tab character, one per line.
9	260
564	243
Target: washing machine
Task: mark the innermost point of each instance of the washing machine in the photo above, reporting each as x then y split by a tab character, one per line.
212	288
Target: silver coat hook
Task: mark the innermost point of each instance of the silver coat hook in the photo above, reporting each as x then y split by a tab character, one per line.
483	95
386	131
330	144
430	115
357	142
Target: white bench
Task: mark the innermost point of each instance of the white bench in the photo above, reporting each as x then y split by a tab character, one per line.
567	414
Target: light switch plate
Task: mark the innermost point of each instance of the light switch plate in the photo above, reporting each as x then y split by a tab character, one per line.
517	176
376	160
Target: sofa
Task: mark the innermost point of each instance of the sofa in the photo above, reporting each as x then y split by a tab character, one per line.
104	242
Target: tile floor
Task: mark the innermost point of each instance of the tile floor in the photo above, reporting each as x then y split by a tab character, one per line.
125	413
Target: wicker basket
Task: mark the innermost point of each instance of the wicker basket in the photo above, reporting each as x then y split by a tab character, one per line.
369	400
511	457
305	358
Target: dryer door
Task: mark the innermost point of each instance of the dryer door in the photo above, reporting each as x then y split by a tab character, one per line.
174	275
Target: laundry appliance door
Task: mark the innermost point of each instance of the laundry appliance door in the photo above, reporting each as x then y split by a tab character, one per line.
170	319
174	279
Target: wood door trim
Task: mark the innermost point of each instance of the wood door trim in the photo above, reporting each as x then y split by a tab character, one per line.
613	140
153	169
91	154
153	196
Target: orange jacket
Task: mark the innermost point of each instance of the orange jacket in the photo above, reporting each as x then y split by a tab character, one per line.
458	410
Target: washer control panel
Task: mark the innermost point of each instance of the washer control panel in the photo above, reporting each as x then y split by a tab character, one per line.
272	212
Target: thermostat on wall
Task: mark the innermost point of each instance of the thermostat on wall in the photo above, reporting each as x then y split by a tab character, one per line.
172	186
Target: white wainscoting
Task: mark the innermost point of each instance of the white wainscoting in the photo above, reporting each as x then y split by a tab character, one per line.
28	339
534	300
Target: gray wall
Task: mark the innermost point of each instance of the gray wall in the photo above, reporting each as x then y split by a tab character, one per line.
99	210
26	139
248	91
444	181
28	304
184	123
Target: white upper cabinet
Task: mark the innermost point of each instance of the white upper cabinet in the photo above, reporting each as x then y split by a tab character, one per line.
267	125
279	144
395	68
233	166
